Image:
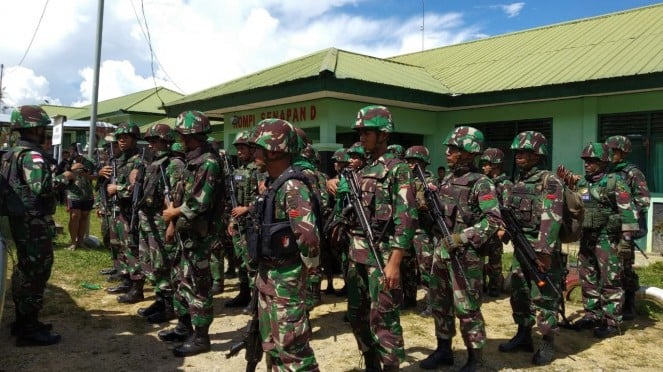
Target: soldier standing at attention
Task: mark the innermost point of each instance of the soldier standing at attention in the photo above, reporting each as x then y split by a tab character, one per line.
104	206
374	298
123	238
30	200
156	255
491	164
286	250
610	220
537	200
637	184
472	211
196	222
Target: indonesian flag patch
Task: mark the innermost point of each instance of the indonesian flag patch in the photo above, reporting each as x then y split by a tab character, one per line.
36	157
293	213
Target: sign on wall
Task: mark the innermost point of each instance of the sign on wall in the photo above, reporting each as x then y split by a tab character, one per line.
293	115
58	124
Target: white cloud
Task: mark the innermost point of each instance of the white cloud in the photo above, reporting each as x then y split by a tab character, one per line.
512	10
23	87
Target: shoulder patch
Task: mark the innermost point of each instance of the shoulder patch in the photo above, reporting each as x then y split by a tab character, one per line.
36	157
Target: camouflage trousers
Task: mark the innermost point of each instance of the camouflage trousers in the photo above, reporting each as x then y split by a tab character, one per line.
493	269
600	269
374	313
106	235
424	246
125	244
284	325
630	279
455	290
217	266
409	276
242	253
313	280
33	237
156	256
194	280
527	297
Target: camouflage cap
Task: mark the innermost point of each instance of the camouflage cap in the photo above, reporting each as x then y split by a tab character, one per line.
192	122
162	131
466	138
242	138
493	155
127	128
341	156
29	116
374	117
619	142
530	141
597	150
418	152
397	150
275	135
356	149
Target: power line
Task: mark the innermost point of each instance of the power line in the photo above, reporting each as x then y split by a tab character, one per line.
34	34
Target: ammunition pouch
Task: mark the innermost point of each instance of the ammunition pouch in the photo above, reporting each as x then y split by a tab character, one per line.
595	218
278	241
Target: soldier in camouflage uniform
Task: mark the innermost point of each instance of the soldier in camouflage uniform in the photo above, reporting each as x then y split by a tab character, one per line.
609	222
246	178
537	199
397	150
29	199
123	239
156	255
103	206
472	215
195	224
491	164
286	249
375	297
423	240
637	184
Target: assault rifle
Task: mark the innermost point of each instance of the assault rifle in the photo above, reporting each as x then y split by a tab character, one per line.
103	196
230	181
524	252
252	341
169	200
355	202
113	181
137	194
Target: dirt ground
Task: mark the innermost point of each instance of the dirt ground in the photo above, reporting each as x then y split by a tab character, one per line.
102	335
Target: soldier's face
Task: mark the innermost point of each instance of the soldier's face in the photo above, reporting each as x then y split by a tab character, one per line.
244	152
259	155
355	162
486	167
617	156
126	142
452	155
157	145
526	159
592	166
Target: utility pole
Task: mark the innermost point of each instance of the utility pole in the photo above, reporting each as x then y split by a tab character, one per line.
2	70
92	143
423	17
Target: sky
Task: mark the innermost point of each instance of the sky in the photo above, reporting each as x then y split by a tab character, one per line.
48	47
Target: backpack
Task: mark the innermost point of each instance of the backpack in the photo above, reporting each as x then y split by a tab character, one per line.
11	203
572	215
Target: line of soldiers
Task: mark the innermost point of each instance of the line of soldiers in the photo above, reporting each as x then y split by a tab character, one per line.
165	221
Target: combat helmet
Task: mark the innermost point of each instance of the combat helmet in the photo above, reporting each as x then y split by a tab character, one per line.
242	138
418	152
374	117
530	141
177	148
127	128
340	156
162	131
619	143
275	135
466	138
397	150
358	149
597	150
29	116
493	155
192	122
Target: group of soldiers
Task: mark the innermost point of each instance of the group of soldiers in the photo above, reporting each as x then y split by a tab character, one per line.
384	220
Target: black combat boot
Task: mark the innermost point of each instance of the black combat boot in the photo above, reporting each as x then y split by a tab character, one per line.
17	326
546	352
230	271
31	332
474	361
442	356
217	287
134	295
180	332
197	343
586	322
157	306
242	299
123	287
108	271
606	331
628	311
372	361
522	341
165	315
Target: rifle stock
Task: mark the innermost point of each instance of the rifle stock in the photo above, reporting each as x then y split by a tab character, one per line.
252	341
113	181
137	194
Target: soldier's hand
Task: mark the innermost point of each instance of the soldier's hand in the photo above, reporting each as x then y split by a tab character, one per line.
106	171
170	213
170	233
332	186
392	276
432	186
68	175
543	262
133	175
111	189
625	246
453	242
239	211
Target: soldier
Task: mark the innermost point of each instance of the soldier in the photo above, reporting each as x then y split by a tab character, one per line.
423	240
472	209
246	178
156	255
610	220
287	249
29	199
341	160
124	239
491	164
537	201
103	205
397	150
194	225
637	184
375	297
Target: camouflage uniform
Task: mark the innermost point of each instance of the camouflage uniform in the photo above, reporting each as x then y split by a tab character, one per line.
472	211
29	199
104	207
537	201
637	184
609	211
286	249
388	201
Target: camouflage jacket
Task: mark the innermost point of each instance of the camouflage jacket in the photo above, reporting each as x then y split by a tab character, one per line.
608	204
502	186
538	207
124	164
425	222
318	181
470	197
246	178
78	188
636	182
154	188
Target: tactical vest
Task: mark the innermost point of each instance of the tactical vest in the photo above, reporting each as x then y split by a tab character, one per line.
153	190
526	200
246	184
125	164
455	194
18	199
210	222
600	204
376	198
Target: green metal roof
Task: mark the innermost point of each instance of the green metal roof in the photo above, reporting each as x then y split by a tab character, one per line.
627	43
148	101
67	111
